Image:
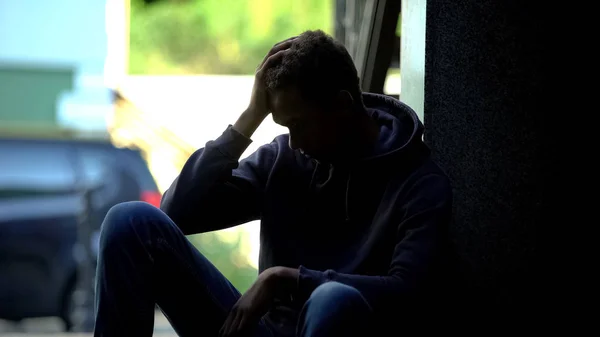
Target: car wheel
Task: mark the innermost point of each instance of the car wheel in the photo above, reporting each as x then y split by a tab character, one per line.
69	305
76	314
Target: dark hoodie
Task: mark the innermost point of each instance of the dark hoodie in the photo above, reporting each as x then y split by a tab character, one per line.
376	225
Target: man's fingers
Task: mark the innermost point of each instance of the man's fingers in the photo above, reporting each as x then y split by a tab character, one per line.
242	324
234	327
286	40
272	60
285	44
276	49
227	324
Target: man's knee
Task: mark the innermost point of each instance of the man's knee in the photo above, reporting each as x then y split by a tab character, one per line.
333	308
339	295
126	221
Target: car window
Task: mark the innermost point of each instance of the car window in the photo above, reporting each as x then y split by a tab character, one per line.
139	168
29	165
96	171
95	165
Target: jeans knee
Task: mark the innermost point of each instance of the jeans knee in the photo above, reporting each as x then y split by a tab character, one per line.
334	309
337	294
335	299
124	221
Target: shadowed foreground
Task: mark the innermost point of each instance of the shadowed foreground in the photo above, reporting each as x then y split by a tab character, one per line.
51	327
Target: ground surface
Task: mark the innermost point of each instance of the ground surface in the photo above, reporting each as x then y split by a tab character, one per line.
51	327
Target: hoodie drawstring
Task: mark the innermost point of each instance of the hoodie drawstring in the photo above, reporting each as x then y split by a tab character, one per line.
348	197
314	174
313	182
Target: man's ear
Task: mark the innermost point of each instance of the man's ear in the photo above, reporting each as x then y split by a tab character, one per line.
345	101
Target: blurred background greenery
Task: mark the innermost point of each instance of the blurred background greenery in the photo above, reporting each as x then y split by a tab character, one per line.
228	255
199	37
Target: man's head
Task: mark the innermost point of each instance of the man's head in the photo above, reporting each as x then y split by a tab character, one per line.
314	91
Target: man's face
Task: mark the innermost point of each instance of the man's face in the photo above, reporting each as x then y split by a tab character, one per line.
313	131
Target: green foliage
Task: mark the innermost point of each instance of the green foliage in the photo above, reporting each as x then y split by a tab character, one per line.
227	257
216	36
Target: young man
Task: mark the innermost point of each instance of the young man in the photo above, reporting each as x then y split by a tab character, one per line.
352	214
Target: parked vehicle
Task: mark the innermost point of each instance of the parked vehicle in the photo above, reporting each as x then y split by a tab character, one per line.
43	214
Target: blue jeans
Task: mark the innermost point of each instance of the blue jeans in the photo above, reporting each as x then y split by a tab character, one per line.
144	260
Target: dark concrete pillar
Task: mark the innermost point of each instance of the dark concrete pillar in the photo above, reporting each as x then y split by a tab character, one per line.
485	125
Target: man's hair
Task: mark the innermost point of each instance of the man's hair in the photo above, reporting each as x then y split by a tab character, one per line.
319	67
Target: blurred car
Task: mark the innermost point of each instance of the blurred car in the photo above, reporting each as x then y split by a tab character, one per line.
41	206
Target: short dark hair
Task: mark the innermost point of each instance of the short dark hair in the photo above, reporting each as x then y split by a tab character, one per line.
318	66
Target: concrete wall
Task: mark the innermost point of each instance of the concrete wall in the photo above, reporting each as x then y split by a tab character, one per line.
487	125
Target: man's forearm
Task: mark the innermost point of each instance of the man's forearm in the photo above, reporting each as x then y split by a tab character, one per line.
248	122
284	279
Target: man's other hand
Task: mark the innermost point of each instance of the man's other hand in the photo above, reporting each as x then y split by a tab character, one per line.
253	304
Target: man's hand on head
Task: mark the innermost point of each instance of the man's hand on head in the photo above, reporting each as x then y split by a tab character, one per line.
258	108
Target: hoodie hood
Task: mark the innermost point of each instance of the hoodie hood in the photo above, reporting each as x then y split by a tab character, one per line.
399	149
400	127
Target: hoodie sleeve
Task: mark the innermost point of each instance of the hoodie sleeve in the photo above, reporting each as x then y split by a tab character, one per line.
426	213
215	191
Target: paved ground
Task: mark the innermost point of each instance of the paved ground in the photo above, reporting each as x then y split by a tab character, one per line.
51	327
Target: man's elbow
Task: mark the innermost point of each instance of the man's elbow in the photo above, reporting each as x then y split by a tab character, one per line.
179	218
168	207
405	282
172	206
